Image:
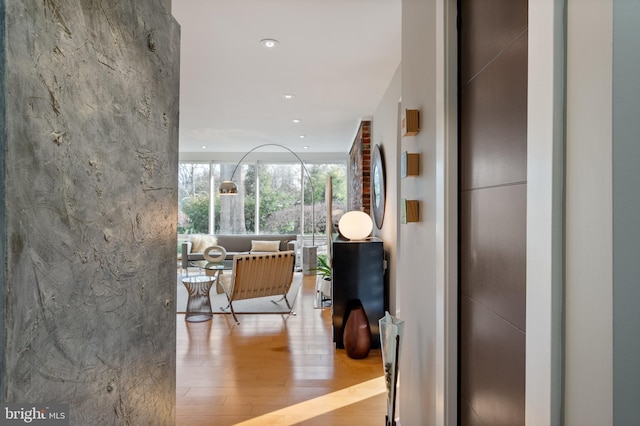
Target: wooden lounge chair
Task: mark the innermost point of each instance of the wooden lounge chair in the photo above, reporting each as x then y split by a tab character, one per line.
259	275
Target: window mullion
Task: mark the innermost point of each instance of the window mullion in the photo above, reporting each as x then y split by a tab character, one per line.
212	201
256	220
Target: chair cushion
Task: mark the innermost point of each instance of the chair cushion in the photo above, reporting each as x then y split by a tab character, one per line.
225	281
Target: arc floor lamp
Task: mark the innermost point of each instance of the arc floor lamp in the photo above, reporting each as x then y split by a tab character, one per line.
228	187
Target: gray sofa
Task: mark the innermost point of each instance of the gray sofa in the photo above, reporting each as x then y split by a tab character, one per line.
238	244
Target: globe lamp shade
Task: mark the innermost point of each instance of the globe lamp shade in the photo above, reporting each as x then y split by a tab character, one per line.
355	225
227	188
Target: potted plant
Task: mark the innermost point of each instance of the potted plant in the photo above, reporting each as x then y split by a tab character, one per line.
323	269
323	285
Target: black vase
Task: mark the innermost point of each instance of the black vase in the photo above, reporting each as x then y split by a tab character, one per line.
357	334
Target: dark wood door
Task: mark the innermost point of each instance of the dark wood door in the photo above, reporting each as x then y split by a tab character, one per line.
493	185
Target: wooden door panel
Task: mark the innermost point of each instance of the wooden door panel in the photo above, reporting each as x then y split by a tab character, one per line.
490	26
493	173
493	363
468	417
493	249
493	149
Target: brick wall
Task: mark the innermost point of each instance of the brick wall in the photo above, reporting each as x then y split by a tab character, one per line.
360	169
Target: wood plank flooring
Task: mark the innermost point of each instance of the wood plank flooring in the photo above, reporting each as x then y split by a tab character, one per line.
274	370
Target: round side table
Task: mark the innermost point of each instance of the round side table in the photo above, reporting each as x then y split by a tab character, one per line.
199	303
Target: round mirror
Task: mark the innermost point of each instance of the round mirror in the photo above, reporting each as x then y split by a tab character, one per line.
377	186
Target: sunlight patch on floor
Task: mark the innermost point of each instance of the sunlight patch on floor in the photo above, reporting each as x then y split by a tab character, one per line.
321	405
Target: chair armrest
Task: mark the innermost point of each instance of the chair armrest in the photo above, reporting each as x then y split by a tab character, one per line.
185	255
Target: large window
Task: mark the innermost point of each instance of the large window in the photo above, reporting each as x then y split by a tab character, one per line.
280	209
272	198
194	185
235	214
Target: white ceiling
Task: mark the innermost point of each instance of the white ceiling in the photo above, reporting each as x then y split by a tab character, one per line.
336	56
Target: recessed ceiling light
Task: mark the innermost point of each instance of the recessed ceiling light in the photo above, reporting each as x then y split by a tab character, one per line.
288	96
269	42
204	147
303	136
305	147
296	120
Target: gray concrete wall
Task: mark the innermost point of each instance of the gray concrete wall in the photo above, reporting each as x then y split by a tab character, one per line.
3	234
626	211
89	185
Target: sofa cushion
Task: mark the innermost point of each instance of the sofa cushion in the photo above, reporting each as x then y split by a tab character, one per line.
264	246
199	242
242	243
234	244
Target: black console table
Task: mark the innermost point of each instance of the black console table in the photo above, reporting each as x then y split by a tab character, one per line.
358	278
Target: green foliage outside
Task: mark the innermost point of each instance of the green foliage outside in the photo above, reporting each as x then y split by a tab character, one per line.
193	193
250	198
319	173
197	211
279	196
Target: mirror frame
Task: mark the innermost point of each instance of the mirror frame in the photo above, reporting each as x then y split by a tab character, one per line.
378	186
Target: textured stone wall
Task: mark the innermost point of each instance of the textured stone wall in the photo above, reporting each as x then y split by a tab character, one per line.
3	201
89	185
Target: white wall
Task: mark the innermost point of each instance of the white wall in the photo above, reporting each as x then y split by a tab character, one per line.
586	372
385	134
446	172
545	202
588	273
426	283
417	251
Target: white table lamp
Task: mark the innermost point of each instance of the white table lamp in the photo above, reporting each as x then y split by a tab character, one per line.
355	225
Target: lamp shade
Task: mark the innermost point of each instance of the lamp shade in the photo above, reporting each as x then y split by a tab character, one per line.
227	188
355	225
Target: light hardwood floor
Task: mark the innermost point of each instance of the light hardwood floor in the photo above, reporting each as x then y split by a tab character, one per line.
274	370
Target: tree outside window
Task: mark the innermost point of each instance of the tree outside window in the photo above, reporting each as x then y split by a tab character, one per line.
193	198
276	189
